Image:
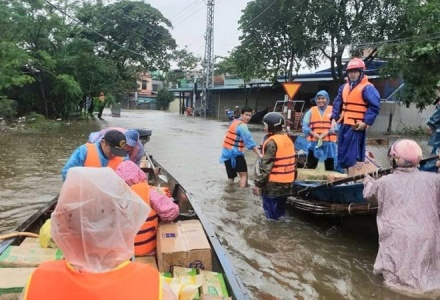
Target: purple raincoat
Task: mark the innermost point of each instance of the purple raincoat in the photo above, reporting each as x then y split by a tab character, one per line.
408	222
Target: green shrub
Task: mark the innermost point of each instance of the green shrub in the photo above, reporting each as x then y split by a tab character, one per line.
410	131
37	121
7	108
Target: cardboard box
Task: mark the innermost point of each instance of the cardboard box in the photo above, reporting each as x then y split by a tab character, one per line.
28	254
183	244
12	282
213	284
149	260
369	165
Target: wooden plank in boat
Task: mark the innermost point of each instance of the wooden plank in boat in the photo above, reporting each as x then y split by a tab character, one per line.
318	175
28	254
12	282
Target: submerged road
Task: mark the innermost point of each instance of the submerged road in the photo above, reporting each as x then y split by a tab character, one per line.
301	257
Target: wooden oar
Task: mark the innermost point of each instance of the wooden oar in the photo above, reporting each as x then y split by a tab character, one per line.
14	234
354	178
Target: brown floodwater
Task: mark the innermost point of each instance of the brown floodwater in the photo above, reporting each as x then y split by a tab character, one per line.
302	257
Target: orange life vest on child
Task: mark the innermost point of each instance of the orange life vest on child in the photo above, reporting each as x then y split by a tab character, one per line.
284	166
145	240
54	280
92	159
321	124
353	105
231	138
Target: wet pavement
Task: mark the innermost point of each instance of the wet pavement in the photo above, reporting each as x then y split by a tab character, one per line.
301	257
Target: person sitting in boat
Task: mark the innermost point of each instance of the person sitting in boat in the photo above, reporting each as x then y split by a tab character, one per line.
96	236
162	206
277	167
133	145
408	222
107	152
322	138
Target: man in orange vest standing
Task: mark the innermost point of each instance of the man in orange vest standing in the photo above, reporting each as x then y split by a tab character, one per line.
237	137
108	152
94	224
317	128
355	107
277	168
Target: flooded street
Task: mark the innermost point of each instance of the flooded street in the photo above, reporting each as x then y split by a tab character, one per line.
302	257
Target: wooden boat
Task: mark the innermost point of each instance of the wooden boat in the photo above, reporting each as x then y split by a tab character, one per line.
188	210
340	198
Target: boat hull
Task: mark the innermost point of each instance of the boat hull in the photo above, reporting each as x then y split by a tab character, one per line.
342	194
187	210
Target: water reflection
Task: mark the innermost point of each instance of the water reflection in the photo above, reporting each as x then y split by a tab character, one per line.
302	257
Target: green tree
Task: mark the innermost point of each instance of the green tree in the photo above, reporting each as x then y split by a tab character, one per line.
188	66
164	98
58	52
415	55
353	25
276	39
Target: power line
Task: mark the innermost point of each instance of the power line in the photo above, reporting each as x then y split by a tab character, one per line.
174	18
94	31
181	21
254	19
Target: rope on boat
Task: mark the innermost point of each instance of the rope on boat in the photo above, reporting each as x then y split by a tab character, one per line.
15	234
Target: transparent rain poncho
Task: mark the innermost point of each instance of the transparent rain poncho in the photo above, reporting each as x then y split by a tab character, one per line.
96	219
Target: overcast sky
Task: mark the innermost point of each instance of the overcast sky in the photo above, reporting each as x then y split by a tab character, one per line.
189	21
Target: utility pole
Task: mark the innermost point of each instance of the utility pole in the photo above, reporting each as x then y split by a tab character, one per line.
209	57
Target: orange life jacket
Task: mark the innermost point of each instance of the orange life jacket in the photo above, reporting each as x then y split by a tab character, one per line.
321	124
353	105
92	159
284	166
145	240
231	138
54	280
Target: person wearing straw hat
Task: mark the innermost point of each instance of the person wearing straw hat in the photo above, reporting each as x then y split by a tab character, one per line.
408	222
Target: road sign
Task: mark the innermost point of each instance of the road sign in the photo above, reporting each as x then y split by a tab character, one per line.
291	88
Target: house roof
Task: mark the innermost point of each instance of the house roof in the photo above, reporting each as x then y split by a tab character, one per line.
372	70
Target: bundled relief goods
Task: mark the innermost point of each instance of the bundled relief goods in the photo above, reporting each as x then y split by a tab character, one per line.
183	244
190	284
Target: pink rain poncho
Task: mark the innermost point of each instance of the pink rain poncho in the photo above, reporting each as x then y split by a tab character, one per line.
96	219
409	228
